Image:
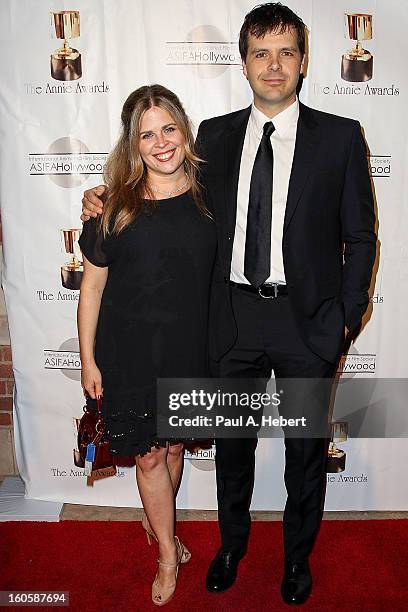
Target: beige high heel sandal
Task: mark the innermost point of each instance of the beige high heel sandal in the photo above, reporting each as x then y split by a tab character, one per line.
150	535
162	595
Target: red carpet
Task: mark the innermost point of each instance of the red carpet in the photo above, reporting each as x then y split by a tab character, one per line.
357	566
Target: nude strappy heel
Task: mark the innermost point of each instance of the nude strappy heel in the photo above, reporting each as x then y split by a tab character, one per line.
162	595
150	535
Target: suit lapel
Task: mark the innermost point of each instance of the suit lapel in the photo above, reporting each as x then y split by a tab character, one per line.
306	143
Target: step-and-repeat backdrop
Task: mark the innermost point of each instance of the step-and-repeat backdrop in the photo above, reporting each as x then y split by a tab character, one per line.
60	119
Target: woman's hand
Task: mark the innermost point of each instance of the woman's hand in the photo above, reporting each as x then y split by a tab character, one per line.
91	380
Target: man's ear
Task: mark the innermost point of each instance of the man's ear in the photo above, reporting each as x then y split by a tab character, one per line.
244	70
302	65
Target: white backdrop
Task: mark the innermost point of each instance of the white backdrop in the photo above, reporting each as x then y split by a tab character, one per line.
54	139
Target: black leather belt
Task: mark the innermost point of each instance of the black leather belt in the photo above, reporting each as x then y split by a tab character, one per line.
267	290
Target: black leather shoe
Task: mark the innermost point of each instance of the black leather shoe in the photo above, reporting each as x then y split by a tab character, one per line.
297	582
222	572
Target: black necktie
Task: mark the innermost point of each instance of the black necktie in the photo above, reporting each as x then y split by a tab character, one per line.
257	262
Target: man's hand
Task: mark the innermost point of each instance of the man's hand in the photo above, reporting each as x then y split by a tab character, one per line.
92	206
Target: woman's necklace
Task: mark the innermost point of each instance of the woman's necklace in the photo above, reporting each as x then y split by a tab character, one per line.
170	193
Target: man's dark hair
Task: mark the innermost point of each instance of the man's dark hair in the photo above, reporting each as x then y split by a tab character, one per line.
270	17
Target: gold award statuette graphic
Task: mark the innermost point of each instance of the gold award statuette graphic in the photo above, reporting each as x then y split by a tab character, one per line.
357	63
336	457
66	62
71	272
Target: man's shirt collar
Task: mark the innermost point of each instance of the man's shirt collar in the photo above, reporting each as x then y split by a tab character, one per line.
282	121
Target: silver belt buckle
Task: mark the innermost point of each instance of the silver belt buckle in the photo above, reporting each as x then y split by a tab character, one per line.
269	297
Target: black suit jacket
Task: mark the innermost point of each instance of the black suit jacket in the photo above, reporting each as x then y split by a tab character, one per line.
328	241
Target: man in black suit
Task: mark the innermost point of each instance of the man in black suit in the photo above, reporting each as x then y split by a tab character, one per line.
295	274
290	190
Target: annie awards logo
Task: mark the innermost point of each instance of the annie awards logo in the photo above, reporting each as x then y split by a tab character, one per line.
205	50
66	63
72	269
357	63
336	457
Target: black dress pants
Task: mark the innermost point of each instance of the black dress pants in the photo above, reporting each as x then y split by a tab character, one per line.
268	340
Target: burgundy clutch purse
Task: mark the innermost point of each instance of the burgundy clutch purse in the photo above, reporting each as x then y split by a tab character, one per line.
93	452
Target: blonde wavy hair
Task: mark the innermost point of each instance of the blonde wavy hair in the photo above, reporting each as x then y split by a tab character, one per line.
125	172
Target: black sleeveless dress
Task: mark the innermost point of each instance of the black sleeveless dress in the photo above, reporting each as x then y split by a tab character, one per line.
154	313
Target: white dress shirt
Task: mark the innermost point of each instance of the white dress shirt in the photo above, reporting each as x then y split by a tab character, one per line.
283	144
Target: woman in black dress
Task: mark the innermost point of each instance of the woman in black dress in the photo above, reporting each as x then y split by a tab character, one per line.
144	300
